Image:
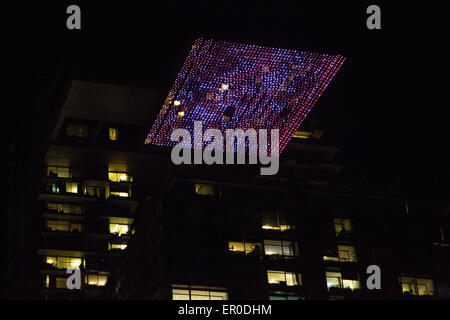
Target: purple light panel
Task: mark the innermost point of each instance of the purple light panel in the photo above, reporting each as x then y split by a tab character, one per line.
263	88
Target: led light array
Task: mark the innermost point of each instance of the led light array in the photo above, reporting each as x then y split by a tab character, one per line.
236	86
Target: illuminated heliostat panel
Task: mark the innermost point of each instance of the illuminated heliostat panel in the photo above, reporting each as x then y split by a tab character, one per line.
230	86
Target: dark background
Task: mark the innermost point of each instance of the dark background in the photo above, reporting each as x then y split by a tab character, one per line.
386	107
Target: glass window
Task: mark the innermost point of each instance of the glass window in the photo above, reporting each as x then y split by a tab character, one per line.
119	228
247	247
119	194
95	191
275	221
282	295
63	225
53	188
76	130
280	247
119	177
119	246
60	172
334	279
64	208
113	134
417	286
204	189
97	279
180	292
61	283
72	187
52	206
64	262
350	284
330	258
284	278
347	253
75	227
342	226
300	134
57	225
277	298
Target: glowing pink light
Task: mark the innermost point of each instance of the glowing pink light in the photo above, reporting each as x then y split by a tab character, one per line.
236	86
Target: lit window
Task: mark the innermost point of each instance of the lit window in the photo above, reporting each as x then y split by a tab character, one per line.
275	221
119	228
62	225
284	278
293	297
181	113
342	226
204	189
98	280
300	134
280	247
64	262
61	283
180	292
60	172
119	177
176	103
58	225
53	188
417	286
334	280
64	208
347	253
120	246
113	134
47	281
75	227
331	255
350	284
330	258
282	295
76	130
95	191
242	247
119	194
72	187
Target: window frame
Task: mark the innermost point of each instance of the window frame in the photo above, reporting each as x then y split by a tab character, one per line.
113	134
416	290
189	288
246	251
292	247
272	220
70	224
200	186
296	278
81	128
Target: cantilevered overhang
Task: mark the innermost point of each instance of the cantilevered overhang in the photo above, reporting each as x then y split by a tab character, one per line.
107	102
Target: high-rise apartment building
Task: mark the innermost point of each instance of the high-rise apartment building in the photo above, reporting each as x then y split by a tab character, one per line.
138	226
88	194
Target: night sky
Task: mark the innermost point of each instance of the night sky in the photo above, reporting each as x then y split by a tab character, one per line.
386	107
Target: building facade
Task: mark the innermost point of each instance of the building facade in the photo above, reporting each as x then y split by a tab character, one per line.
139	227
281	241
88	190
